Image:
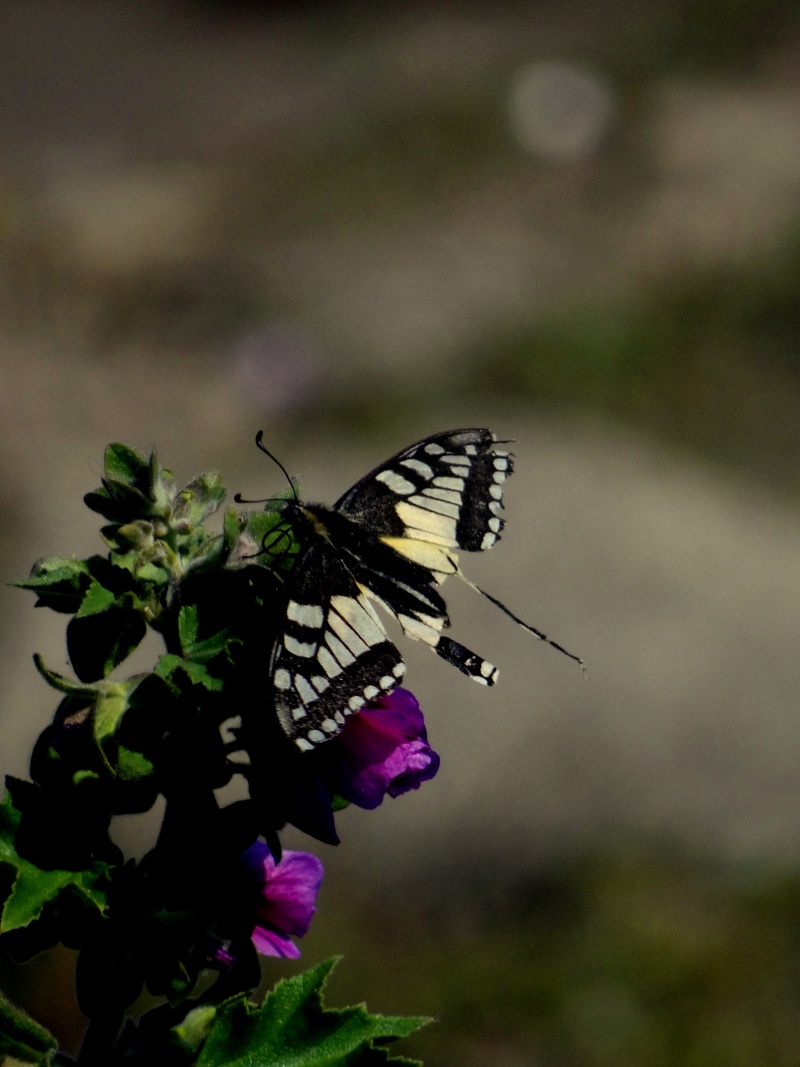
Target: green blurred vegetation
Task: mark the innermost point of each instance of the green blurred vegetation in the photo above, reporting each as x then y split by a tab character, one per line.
635	957
708	359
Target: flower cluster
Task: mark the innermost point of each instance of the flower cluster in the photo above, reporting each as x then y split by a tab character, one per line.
381	751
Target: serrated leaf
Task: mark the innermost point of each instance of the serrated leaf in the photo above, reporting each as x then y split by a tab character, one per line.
293	1029
96	599
33	887
22	1039
195	672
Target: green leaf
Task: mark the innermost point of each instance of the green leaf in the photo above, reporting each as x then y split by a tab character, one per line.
33	887
132	766
293	1029
266	540
22	1039
161	485
125	464
59	582
96	599
199	651
195	672
96	644
64	685
112	701
232	525
201	498
187	626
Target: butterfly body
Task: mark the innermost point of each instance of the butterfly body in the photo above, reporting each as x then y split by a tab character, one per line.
391	540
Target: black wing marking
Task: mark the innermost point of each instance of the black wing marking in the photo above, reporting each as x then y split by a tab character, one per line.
446	490
333	655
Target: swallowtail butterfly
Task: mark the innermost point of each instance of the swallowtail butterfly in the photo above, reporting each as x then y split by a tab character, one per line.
391	540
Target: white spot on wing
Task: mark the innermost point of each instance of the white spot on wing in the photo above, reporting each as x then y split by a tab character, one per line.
347	634
441	507
305	689
328	663
299	648
433	449
371	691
422	629
443	494
421	519
456	484
418	466
310	615
396	482
282	679
360	617
343	656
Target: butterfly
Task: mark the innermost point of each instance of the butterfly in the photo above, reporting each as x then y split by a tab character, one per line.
390	540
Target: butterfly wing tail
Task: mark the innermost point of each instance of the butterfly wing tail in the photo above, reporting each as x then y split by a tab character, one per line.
469	663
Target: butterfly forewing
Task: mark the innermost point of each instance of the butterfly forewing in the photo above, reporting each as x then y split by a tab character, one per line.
333	655
446	490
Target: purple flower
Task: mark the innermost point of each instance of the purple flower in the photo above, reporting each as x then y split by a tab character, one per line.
383	749
287	893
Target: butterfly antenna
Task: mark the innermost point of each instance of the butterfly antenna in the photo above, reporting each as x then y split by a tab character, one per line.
525	626
260	444
239	499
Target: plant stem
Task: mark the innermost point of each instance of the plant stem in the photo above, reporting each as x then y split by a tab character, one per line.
98	1044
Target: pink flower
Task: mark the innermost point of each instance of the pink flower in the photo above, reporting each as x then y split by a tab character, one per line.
287	894
383	749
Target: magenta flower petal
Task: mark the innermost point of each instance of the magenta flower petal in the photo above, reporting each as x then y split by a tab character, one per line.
270	943
287	892
384	749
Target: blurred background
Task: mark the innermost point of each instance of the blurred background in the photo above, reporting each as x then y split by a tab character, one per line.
352	225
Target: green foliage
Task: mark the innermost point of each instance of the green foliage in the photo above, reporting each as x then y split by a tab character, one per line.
293	1028
32	888
22	1039
116	743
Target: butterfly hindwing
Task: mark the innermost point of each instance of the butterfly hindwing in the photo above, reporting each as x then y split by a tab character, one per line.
333	655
